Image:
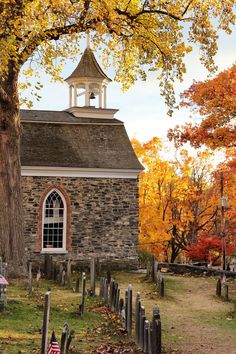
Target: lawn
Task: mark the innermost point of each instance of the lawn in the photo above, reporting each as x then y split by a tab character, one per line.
194	320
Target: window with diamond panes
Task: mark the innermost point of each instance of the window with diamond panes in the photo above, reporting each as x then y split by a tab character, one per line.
53	222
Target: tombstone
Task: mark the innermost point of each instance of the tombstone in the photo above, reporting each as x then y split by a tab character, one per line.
111	294
92	276
61	268
48	266
155	270
45	323
68	274
129	310
218	288
83	292
150	351
137	311
117	300
145	337
1	266
30	287
64	337
141	317
69	340
162	289
3	293
108	276
156	331
77	285
63	278
226	292
126	309
105	291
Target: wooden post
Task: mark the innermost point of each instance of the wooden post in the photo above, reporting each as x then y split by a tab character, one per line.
45	323
218	288
137	316
30	279
68	278
92	275
129	310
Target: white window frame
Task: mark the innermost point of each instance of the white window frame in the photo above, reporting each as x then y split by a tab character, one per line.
52	249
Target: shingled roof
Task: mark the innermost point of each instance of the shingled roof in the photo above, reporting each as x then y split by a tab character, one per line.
58	139
88	67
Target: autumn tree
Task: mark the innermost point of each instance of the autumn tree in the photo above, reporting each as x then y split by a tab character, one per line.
139	35
215	101
176	199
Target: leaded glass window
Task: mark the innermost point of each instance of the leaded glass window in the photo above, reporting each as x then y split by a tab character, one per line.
54	216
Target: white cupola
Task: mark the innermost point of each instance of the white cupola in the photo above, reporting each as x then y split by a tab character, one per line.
88	88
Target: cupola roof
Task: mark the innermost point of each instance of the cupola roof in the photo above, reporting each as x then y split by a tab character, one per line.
88	67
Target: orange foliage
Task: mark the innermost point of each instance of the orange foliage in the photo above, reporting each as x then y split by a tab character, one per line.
215	101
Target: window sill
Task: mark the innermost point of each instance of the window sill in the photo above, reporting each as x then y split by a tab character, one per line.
53	251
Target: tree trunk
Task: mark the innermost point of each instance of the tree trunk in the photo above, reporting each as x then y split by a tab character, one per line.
11	213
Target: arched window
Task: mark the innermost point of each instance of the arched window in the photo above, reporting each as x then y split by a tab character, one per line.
54	215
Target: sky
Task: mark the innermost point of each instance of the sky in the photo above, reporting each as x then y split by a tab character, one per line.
141	108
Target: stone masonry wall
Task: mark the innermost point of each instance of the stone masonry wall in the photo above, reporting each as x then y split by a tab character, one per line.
104	218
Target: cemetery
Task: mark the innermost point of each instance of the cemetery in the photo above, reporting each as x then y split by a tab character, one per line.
95	311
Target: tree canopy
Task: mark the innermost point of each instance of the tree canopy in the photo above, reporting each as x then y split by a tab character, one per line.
138	35
215	101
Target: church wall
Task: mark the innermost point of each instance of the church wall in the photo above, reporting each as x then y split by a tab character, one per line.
103	213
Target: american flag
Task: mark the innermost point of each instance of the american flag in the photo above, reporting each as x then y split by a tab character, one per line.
53	346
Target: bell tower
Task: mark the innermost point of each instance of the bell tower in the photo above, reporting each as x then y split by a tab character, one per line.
88	87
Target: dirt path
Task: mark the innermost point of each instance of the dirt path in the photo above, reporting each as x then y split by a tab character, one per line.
194	320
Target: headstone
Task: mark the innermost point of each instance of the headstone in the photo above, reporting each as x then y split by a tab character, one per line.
126	310
108	276
92	276
83	292
162	289
105	291
129	310
226	292
137	317
64	337
48	266
45	323
141	322
68	274
218	288
77	285
145	337
30	288
63	277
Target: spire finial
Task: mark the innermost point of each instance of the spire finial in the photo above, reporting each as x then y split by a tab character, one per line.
87	40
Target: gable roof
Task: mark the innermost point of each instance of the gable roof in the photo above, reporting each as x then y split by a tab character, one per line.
88	67
58	139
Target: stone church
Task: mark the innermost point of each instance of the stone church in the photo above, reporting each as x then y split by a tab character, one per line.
80	176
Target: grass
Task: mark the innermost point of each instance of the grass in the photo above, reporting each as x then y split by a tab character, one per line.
192	316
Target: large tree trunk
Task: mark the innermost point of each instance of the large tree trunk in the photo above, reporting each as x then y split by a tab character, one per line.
11	213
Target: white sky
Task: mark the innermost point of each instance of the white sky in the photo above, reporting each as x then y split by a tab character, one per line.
142	108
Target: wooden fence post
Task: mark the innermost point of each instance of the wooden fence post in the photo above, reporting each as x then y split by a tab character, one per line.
45	323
